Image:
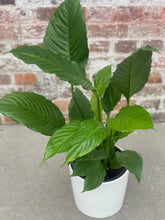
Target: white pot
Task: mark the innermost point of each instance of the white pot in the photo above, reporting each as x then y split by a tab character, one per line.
102	202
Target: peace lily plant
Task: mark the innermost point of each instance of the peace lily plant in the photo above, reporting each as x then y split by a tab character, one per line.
86	139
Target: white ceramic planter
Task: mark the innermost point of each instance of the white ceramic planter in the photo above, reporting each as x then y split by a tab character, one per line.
102	202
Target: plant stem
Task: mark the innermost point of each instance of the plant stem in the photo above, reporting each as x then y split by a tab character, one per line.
99	108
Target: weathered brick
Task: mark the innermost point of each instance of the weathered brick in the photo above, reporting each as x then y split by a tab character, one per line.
125	46
62	104
6	2
2	48
150	104
10	32
4	79
123	103
4	90
157	44
35	31
99	46
154	30
9	121
106	30
150	90
25	79
21	15
158	116
120	14
155	77
44	14
158	62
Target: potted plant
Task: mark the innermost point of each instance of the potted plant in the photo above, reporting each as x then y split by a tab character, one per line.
98	167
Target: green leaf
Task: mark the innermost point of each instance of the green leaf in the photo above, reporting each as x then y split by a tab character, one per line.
102	79
80	107
96	105
33	111
90	134
97	154
84	168
66	32
111	98
131	160
95	179
60	140
50	62
132	74
119	135
131	118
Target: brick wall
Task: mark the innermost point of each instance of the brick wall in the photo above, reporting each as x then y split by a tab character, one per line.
115	29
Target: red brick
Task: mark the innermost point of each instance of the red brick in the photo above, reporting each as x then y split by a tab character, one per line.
125	46
123	103
25	79
158	62
2	48
157	44
6	2
107	30
9	121
155	77
155	30
99	46
150	104
9	32
4	79
120	14
62	104
44	14
35	31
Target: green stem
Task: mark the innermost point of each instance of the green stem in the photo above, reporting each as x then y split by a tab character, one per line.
99	108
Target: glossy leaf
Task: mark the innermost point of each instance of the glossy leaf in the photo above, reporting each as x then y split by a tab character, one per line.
102	79
33	111
97	154
95	179
132	74
80	107
50	62
131	160
84	168
90	134
111	98
60	140
131	118
66	32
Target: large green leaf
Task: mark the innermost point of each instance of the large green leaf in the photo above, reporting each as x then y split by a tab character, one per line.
131	118
60	140
33	111
111	98
66	32
132	74
80	107
84	168
102	79
50	62
131	160
90	134
95	179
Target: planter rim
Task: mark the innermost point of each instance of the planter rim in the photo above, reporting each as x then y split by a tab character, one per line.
109	181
